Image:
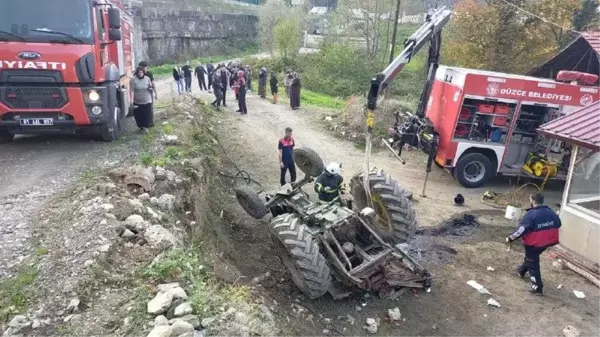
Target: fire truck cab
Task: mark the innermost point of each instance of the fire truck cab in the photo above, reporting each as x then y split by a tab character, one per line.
64	67
487	123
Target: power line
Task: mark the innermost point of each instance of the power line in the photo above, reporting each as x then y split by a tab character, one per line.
539	17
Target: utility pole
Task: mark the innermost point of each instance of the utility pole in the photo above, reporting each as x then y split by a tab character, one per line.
395	31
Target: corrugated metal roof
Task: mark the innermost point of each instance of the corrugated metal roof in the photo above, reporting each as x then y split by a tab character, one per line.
581	127
593	38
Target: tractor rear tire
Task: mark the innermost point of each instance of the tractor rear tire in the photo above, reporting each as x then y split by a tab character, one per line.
300	254
396	221
309	162
251	202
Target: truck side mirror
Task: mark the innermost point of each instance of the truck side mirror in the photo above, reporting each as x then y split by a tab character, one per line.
114	18
114	34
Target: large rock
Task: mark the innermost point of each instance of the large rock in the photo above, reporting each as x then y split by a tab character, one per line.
171	176
173	288
166	202
138	206
208	321
135	223
159	237
73	306
183	309
180	327
160	303
194	320
161	331
171	312
161	173
160	321
18	324
178	293
167	286
571	331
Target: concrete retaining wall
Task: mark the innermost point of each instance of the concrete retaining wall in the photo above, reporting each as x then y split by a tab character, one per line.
164	35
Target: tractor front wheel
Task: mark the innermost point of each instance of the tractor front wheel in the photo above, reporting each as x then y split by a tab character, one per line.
250	202
300	254
396	221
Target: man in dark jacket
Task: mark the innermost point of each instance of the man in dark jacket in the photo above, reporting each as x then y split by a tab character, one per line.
329	183
539	230
200	72
210	70
225	75
187	74
216	83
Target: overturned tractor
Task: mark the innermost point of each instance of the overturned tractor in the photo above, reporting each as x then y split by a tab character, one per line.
329	247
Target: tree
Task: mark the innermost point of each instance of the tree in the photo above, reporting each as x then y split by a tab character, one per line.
497	36
365	19
587	17
269	16
288	36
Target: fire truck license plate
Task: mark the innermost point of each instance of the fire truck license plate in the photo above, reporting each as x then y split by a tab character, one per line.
37	121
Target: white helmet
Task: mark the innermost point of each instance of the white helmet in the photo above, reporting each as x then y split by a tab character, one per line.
333	168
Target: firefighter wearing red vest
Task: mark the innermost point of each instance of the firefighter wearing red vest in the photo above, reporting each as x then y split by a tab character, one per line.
539	230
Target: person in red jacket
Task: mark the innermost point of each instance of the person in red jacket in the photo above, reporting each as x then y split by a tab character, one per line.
539	230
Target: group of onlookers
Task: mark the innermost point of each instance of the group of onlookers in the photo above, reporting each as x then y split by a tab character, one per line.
234	76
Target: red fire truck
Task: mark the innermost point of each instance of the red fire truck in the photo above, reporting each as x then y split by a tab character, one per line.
487	122
64	67
478	124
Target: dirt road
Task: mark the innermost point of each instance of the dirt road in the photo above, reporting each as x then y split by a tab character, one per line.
34	168
452	308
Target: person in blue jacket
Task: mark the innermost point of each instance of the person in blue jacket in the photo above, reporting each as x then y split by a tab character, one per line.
329	183
539	230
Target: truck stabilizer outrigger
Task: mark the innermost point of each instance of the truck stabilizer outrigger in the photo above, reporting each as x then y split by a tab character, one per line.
358	248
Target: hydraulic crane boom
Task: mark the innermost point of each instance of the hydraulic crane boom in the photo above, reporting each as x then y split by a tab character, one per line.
430	31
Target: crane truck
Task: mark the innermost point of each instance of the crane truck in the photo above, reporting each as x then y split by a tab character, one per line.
475	123
64	67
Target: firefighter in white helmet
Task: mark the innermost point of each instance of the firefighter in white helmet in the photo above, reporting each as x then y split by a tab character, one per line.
329	183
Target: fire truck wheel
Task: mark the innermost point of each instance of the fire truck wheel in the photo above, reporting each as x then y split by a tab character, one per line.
300	254
251	202
395	219
473	170
6	136
112	130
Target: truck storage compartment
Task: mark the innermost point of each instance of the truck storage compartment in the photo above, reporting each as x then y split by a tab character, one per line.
525	139
484	121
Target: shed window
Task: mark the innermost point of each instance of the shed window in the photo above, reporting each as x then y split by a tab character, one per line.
584	190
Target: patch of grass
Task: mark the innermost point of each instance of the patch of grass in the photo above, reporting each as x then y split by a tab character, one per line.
321	100
168	129
172	153
177	264
16	292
